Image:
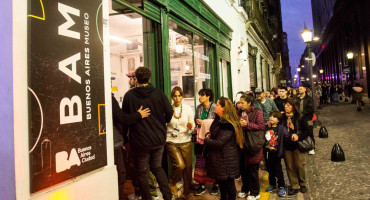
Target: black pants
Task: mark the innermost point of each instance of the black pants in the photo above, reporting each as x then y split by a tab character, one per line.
121	170
250	179
227	189
153	157
273	164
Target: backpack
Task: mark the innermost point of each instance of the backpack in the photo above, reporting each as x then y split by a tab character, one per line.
253	140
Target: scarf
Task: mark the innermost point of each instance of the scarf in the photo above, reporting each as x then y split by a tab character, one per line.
290	123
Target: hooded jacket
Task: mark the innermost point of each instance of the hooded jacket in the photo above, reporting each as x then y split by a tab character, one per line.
151	131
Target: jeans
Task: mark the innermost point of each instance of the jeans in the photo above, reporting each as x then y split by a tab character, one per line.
153	157
227	189
121	170
250	179
273	164
295	162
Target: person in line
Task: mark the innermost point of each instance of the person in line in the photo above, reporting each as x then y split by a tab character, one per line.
274	152
307	111
282	98
251	119
268	95
357	95
223	144
178	143
148	136
266	105
295	161
205	110
151	178
120	118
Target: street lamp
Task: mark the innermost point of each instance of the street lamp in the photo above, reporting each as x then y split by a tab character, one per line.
350	62
295	76
307	38
298	69
321	71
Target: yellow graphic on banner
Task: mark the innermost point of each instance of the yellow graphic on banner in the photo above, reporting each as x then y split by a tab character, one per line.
43	12
101	129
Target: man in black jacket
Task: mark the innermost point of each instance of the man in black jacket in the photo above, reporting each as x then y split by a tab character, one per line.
282	98
307	110
120	118
148	136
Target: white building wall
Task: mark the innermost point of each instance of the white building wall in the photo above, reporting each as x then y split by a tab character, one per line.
95	185
235	17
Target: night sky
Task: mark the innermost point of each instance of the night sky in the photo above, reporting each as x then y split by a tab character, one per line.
295	13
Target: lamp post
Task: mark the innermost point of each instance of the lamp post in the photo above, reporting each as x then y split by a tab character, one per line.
307	38
350	60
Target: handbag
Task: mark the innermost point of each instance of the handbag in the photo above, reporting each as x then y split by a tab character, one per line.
200	171
253	140
306	144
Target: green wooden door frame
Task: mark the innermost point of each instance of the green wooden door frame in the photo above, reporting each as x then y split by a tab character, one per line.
230	86
194	16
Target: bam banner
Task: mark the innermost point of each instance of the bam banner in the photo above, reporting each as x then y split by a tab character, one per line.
66	90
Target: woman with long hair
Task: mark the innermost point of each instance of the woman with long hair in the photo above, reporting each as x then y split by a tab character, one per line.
222	146
251	119
295	160
178	143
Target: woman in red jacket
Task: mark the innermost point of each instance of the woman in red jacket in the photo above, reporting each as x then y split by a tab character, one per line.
251	119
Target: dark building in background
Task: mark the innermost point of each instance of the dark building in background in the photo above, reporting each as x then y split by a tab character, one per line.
285	57
265	16
343	27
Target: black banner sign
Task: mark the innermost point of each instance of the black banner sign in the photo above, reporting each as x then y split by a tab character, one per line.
66	90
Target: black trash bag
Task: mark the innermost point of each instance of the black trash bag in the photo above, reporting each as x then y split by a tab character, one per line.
323	133
337	154
346	99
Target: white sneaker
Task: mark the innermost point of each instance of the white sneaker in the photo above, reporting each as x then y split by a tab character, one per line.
253	197
312	152
242	194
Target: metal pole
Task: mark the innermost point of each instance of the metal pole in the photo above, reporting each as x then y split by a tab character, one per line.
311	78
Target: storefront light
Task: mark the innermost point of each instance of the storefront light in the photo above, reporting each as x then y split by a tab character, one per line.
116	38
179	48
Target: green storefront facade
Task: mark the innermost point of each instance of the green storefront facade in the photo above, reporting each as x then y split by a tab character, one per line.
182	37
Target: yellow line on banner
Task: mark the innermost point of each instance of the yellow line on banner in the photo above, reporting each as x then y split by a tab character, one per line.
265	183
43	12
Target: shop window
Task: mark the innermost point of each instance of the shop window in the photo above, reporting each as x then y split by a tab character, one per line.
129	45
189	62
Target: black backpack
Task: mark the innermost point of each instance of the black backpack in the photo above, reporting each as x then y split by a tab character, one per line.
253	140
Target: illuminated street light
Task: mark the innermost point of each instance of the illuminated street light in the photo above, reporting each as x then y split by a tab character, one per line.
306	35
307	79
314	76
350	55
321	71
295	76
298	69
316	38
302	66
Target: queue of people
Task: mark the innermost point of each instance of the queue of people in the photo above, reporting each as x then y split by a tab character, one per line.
229	139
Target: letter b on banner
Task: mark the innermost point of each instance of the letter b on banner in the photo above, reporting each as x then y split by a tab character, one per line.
71	117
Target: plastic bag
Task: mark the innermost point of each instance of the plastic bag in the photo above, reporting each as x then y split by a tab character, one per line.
337	153
323	133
